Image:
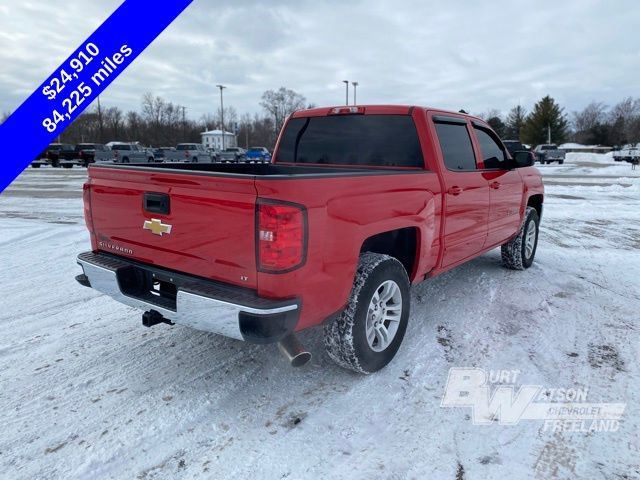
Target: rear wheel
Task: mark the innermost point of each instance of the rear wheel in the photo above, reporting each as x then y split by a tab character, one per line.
367	334
194	159
125	159
519	252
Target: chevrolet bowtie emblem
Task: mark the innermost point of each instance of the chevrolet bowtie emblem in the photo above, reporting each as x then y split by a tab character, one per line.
156	226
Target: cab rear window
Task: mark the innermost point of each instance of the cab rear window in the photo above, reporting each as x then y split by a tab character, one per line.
371	140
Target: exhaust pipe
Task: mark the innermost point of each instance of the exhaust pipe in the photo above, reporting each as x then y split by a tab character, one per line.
293	350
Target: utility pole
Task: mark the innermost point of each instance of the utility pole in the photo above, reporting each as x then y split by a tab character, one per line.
346	84
101	139
184	125
222	87
548	133
355	86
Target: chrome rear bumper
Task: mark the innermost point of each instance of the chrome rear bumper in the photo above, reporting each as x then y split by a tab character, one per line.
200	304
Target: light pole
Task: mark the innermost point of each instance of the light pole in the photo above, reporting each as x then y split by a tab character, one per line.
548	133
184	124
222	87
101	139
346	84
355	86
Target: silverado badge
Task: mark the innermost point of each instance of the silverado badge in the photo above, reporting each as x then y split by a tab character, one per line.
156	226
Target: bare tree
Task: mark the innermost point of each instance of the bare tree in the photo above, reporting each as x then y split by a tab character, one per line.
624	119
590	125
280	103
593	114
515	121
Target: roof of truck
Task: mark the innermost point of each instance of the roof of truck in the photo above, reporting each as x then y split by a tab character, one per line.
379	110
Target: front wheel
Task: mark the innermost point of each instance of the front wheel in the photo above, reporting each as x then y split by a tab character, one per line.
518	253
367	334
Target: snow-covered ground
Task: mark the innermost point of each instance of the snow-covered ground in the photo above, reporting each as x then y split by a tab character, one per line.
87	392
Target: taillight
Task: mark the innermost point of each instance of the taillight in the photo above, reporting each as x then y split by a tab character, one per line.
86	198
281	237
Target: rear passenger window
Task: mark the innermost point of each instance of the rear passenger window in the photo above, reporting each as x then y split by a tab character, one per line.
367	140
456	146
492	153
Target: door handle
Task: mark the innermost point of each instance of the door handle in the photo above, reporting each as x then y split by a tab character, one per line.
455	190
495	185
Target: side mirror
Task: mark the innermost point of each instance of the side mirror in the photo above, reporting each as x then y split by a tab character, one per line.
524	158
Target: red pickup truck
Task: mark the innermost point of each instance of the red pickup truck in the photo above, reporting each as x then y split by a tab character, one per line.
357	204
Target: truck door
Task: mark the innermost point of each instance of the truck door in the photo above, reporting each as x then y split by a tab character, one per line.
466	191
505	187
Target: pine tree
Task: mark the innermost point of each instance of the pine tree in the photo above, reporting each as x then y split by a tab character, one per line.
546	114
515	122
497	124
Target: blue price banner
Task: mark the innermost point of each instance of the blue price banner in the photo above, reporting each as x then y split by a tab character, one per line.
81	78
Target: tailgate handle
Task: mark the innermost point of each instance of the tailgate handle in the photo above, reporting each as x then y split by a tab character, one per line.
156	202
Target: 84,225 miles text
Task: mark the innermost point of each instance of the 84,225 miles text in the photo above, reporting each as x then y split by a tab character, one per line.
69	104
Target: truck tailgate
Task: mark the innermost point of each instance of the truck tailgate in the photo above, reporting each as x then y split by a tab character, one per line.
207	229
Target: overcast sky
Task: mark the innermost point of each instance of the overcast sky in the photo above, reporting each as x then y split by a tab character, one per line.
455	54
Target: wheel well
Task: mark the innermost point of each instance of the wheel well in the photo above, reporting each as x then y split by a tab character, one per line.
400	244
535	201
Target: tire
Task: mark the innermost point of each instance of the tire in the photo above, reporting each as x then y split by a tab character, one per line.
125	159
345	338
561	162
194	159
150	159
519	252
35	165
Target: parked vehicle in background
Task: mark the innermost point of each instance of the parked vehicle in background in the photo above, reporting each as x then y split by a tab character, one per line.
57	152
616	154
548	153
358	204
624	154
633	155
188	152
215	154
258	154
130	153
87	153
514	146
233	155
160	153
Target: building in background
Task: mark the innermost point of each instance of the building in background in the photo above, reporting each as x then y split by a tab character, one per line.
213	139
